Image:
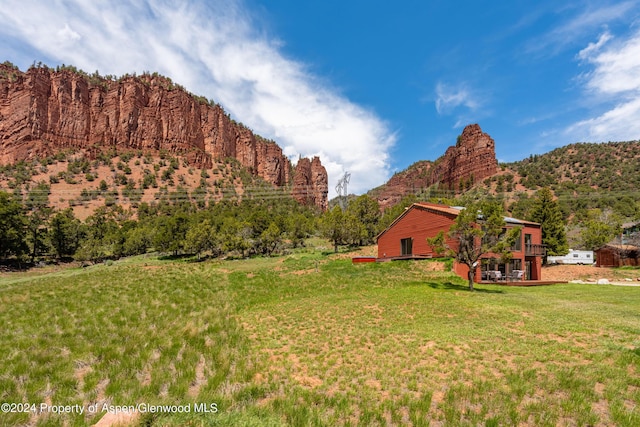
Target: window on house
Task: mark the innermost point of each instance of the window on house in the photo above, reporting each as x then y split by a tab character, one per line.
406	246
517	244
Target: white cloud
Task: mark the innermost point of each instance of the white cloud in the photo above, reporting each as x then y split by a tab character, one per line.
212	48
449	97
578	26
67	33
615	83
617	69
618	124
588	51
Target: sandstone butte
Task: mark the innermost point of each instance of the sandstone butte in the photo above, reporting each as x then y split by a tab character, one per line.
45	110
472	159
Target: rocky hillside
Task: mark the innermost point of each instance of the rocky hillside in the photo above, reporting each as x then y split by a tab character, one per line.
582	176
471	160
45	111
614	166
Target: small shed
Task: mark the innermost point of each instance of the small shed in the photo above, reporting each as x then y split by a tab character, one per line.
613	255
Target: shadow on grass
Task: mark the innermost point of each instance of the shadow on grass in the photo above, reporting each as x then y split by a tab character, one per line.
455	287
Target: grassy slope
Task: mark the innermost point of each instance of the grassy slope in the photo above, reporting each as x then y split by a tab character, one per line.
275	342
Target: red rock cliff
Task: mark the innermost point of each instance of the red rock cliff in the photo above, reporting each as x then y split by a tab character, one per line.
472	159
43	111
311	171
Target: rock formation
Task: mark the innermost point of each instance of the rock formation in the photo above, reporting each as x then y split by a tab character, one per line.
472	159
310	183
43	111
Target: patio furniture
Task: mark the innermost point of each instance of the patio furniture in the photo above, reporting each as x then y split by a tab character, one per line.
516	275
494	275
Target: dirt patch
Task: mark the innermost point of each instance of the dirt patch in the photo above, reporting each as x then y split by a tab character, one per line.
587	273
120	419
363	251
308	381
200	380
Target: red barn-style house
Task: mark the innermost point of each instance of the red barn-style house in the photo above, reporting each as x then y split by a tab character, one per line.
406	238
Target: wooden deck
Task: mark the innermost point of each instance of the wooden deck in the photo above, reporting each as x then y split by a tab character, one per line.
524	282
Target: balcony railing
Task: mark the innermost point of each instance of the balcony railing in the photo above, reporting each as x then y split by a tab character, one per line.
535	250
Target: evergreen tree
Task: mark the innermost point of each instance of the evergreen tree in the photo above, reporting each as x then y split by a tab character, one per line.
367	211
332	225
13	226
64	233
200	237
271	238
39	212
171	232
546	211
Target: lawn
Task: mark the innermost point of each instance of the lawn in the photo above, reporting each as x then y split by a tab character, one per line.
310	339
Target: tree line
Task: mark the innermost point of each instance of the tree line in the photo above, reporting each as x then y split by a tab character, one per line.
30	229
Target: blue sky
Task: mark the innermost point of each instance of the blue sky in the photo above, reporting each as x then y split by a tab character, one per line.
370	86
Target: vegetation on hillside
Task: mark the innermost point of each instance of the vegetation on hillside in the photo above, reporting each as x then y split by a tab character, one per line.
214	219
586	176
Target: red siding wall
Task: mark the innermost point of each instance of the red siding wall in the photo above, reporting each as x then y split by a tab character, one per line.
418	224
536	239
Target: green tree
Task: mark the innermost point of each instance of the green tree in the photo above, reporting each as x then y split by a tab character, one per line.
171	232
200	237
355	231
236	235
13	226
38	215
64	233
333	226
366	210
298	226
137	239
271	238
546	211
477	230
100	227
600	228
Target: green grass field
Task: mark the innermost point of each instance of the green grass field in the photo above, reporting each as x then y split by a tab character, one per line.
310	339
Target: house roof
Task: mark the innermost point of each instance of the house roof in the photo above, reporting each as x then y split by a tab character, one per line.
452	211
510	220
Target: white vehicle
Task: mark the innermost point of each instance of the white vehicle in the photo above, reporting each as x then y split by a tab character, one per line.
573	257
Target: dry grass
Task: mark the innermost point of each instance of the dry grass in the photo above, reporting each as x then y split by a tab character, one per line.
340	344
